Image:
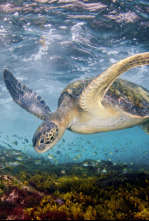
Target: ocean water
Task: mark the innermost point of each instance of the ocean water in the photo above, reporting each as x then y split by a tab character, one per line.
48	44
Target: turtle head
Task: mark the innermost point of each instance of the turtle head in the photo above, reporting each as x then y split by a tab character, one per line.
47	135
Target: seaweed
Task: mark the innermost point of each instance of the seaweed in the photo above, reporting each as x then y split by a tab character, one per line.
72	191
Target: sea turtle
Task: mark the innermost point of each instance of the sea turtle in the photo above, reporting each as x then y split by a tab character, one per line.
88	106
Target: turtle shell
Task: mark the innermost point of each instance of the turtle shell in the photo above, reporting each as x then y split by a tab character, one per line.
74	89
130	97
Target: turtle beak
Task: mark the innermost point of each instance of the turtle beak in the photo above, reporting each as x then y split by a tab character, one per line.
42	148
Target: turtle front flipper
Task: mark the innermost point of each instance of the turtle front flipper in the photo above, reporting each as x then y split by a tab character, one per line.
94	93
25	97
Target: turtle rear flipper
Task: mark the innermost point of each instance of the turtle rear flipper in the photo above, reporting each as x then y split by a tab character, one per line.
145	127
25	97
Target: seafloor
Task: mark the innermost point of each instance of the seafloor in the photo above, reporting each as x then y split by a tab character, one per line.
35	189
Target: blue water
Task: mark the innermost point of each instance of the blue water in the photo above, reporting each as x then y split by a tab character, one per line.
48	44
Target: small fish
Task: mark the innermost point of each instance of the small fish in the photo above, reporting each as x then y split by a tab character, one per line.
63	171
14	152
58	152
74	158
37	162
86	164
78	156
20	158
125	170
104	171
16	163
114	164
26	140
124	164
10	164
15	143
131	163
93	163
50	157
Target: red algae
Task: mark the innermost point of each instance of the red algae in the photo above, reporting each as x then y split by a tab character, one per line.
96	191
105	197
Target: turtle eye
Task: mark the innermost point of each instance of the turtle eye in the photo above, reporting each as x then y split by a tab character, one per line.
42	141
48	142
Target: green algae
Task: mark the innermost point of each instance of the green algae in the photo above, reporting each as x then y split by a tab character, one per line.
76	198
92	199
98	191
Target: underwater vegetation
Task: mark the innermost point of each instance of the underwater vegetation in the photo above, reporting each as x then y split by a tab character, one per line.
35	189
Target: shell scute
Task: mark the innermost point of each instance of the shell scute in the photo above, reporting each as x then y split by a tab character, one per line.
130	97
74	89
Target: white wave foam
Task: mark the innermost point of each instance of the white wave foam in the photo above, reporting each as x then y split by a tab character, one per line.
75	31
112	60
63	27
45	41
